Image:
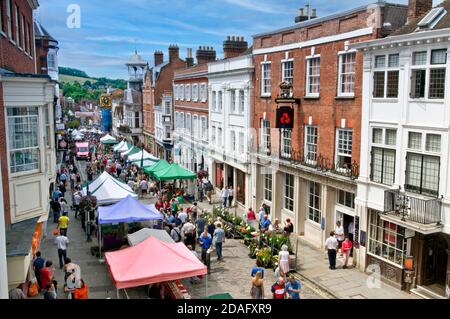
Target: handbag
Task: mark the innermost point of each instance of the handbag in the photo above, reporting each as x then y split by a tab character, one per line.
55	232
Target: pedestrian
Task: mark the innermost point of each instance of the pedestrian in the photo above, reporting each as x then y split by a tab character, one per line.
288	227
332	246
63	189
188	232
62	242
283	260
209	192
346	249
251	217
339	233
64	205
293	288
201	191
56	194
63	178
63	223
219	237
143	188
183	216
265	223
76	202
224	196
56	209
257	268
230	196
257	290
194	211
278	289
200	225
211	227
205	242
38	264
174	206
16	293
50	291
175	233
351	231
275	227
73	180
46	275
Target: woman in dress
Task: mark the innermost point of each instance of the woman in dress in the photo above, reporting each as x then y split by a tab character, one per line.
257	290
283	259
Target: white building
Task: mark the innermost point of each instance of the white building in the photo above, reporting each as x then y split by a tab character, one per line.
230	100
403	197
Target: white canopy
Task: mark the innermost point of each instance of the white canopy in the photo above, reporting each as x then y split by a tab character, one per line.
122	146
143	234
78	137
138	156
108	190
76	132
147	163
107	137
118	146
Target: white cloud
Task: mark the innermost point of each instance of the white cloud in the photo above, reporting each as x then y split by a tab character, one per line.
257	5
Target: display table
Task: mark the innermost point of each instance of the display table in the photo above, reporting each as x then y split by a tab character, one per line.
176	290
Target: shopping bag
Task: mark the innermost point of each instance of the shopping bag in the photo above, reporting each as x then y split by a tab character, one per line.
33	289
55	232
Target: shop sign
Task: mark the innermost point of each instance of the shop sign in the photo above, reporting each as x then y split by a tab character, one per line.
285	117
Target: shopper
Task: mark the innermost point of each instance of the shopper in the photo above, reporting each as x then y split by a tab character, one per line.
205	242
339	234
211	227
63	223
46	275
175	233
278	289
283	260
200	225
346	249
293	288
62	241
332	246
230	196
56	209
38	264
224	196
257	290
50	291
219	237
351	231
257	268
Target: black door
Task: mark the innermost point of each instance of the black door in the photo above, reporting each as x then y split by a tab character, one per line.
435	247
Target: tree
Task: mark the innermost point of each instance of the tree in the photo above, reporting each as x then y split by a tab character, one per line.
75	124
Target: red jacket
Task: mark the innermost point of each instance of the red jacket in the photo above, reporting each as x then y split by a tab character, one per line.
278	291
346	246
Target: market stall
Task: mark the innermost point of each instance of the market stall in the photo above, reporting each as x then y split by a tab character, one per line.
108	140
142	155
152	261
143	234
130	151
174	172
108	190
161	165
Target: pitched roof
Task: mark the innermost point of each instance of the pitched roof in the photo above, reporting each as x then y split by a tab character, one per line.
413	26
41	32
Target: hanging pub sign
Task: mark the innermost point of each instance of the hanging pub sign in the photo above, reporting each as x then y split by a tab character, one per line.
285	117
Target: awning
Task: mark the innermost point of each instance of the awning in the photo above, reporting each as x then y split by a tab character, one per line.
161	165
174	172
143	234
108	190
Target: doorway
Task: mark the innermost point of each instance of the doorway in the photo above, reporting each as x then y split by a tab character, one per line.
435	260
230	177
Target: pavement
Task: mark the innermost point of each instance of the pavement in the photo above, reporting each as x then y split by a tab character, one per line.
232	275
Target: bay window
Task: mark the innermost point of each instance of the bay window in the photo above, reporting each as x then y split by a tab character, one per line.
428	74
383	156
386	76
23	139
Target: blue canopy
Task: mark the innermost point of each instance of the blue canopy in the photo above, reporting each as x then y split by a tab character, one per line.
128	210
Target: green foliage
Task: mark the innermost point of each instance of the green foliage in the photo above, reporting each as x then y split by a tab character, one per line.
264	257
78	92
73	124
72	72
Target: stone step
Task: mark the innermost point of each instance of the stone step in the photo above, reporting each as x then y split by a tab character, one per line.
426	293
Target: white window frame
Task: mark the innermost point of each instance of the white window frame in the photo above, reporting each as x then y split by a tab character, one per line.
203	128
428	67
266	88
17	25
220	101
268	187
386	69
219	136
195	92
8	19
341	74
213	134
383	146
338	153
286	143
423	152
289	193
188	92
233	141
214	101
265	135
309	76
233	109
182	122
241	143
203	92
312	210
175	88
307	135
241	101
35	148
182	92
283	70
189	123
195	125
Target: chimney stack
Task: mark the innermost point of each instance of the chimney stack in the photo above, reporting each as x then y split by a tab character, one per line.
314	13
189	58
205	54
307	11
306	16
234	47
417	8
174	52
159	57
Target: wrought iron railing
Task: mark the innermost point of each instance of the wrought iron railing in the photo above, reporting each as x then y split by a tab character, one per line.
419	210
321	163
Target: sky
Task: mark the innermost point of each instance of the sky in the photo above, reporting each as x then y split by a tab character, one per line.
110	31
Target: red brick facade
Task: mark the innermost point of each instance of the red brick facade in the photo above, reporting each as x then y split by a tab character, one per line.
13	58
4	161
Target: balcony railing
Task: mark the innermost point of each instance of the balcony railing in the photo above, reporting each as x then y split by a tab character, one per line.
419	210
321	163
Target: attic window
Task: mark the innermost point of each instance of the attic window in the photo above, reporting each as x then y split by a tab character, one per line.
432	18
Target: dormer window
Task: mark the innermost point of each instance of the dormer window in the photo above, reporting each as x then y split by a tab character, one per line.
432	18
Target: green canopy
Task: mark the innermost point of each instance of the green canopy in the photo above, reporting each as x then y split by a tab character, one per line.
220	296
174	172
132	151
110	142
161	165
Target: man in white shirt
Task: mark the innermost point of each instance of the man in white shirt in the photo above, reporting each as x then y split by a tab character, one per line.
188	228
62	242
339	233
332	247
183	216
224	195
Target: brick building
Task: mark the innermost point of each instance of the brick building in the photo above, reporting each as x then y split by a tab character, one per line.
190	89
308	174
158	108
27	146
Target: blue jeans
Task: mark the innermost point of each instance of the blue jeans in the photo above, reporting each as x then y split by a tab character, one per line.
224	201
219	250
56	216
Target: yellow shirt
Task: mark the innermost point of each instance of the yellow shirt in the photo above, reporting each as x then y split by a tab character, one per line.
63	222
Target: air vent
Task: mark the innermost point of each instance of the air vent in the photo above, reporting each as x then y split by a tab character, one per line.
432	18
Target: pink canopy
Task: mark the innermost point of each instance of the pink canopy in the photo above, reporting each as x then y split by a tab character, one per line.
152	261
